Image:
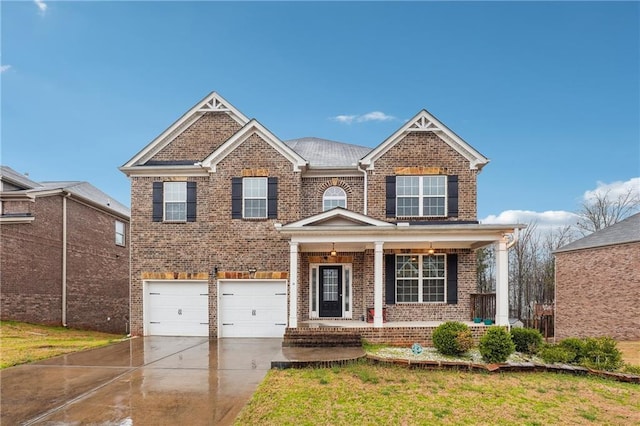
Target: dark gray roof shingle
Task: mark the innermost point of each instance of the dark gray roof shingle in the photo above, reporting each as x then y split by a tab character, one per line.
15	178
326	153
625	231
87	191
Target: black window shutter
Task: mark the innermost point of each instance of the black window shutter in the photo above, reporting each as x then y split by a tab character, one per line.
452	279
272	197
391	196
390	278
191	201
236	198
452	196
157	201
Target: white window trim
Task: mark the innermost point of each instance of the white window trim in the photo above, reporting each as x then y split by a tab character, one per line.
421	278
347	271
266	197
164	202
122	243
421	196
326	197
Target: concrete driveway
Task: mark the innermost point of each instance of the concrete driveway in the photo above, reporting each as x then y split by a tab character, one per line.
143	381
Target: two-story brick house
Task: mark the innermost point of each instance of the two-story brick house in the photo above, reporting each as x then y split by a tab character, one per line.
238	233
64	254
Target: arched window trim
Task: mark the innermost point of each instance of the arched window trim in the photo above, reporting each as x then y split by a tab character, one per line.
334	194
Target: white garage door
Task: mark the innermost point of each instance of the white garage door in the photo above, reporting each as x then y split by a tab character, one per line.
177	308
252	308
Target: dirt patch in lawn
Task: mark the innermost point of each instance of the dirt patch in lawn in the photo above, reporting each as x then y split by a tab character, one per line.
630	352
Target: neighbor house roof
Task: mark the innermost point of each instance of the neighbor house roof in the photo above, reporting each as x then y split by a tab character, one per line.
85	191
625	231
7	174
327	153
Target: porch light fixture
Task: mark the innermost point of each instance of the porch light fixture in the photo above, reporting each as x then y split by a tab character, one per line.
431	250
333	253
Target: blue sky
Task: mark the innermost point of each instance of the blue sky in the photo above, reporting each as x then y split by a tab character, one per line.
549	91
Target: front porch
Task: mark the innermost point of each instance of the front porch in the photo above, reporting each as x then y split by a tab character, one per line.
397	333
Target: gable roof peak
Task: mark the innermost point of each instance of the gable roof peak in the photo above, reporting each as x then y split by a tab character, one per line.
424	121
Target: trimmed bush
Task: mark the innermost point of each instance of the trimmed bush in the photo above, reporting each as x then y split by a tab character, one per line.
552	354
496	345
527	340
576	346
452	338
601	353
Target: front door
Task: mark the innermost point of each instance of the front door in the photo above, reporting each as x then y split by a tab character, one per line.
330	291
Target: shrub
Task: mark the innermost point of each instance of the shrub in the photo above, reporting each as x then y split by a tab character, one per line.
452	338
556	353
601	353
631	369
575	345
527	340
496	345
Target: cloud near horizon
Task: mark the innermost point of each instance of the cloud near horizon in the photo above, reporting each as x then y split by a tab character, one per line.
554	219
370	116
4	68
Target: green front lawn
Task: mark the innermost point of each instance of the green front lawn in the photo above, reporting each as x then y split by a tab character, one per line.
374	394
21	342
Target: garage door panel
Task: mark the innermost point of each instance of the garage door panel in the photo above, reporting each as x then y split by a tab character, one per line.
177	309
253	309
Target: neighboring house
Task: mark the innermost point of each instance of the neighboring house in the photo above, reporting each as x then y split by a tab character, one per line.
598	284
64	254
238	233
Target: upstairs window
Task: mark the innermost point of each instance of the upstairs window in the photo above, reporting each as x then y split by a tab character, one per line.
175	201
421	196
334	196
254	197
120	233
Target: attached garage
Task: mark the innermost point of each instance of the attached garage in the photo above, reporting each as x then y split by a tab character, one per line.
176	308
252	308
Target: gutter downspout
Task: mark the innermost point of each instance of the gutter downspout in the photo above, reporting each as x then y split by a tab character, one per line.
364	172
64	259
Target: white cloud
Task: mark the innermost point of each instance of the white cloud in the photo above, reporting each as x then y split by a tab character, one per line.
4	68
347	119
614	189
546	220
375	116
42	6
370	116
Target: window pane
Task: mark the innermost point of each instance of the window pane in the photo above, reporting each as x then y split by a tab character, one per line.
347	289
255	208
119	233
407	185
329	204
408	206
330	285
334	197
433	185
175	211
175	191
433	266
254	187
433	207
433	290
406	267
314	282
407	291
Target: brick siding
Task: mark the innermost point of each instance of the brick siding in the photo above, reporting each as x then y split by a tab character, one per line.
598	292
97	269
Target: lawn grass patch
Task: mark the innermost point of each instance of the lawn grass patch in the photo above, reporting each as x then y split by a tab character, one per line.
375	394
21	343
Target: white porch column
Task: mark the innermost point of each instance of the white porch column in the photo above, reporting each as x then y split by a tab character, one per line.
377	284
502	282
293	285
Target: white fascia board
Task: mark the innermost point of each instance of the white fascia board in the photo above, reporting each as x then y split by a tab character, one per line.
476	160
242	135
21	195
158	171
187	119
17	219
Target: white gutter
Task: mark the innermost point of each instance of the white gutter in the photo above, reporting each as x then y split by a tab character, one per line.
364	172
64	258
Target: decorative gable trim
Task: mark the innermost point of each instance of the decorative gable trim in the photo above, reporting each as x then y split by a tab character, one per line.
339	213
425	122
211	103
253	127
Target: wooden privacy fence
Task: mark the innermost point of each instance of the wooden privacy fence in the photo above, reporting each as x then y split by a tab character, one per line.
483	305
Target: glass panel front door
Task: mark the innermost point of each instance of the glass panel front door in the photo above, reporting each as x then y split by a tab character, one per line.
330	291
